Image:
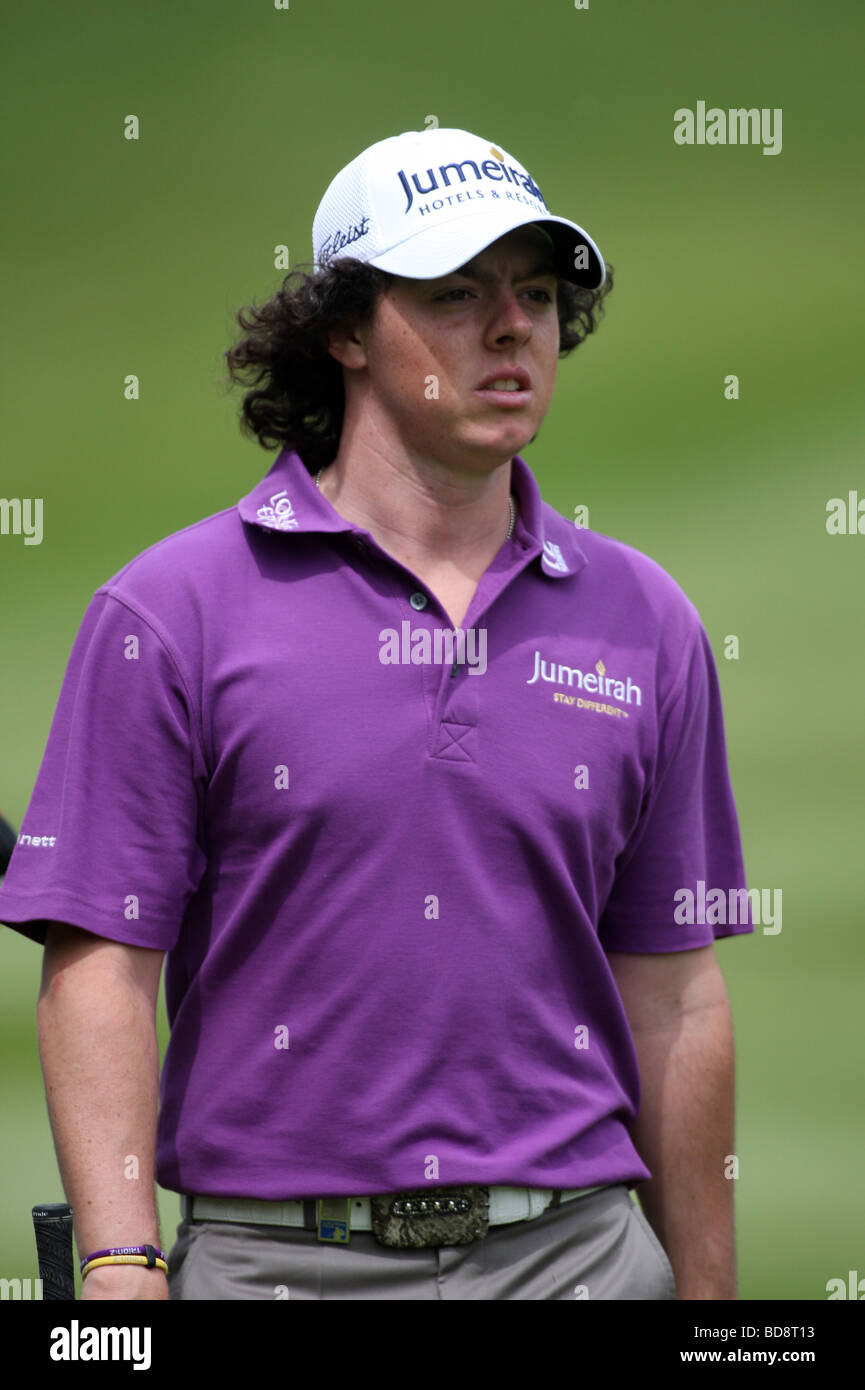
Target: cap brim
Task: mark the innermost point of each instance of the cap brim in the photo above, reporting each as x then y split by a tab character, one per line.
440	249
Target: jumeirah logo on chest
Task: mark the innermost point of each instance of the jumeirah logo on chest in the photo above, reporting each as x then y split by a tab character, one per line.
598	682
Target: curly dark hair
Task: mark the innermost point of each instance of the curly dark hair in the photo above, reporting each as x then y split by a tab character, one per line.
297	401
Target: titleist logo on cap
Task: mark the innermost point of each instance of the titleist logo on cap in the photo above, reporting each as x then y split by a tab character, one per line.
338	239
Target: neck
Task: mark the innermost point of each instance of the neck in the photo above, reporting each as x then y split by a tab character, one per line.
421	506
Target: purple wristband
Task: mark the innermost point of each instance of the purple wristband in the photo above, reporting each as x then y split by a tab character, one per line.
152	1252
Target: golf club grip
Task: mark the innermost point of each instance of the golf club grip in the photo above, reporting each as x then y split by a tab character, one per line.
52	1223
8	838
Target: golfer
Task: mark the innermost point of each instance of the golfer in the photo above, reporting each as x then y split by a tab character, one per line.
413	784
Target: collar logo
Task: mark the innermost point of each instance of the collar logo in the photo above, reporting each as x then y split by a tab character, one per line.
279	514
554	558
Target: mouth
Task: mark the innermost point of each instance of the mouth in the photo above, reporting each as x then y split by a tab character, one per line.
508	391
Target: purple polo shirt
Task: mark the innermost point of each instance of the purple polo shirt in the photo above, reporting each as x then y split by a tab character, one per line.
386	874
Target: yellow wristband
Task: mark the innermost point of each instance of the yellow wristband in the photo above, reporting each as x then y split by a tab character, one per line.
122	1260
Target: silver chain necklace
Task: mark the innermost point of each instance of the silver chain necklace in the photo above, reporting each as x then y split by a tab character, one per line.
511	507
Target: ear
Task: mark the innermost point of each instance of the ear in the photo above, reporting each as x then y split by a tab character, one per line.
348	345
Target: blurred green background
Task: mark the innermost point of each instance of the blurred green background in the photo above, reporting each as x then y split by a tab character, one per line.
129	257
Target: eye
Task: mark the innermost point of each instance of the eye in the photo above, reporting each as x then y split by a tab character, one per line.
446	296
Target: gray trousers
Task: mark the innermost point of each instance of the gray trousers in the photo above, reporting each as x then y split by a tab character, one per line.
598	1246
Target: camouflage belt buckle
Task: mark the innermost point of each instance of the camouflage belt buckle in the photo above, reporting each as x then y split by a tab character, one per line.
430	1216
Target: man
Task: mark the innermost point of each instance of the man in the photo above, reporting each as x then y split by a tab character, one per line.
406	778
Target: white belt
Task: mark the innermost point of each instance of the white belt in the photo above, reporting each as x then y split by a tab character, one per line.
506	1204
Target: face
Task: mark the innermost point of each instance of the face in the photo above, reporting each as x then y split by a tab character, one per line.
492	318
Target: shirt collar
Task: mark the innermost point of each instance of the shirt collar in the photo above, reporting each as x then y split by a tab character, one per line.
287	500
542	528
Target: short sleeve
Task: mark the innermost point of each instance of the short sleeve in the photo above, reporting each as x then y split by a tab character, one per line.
680	881
112	840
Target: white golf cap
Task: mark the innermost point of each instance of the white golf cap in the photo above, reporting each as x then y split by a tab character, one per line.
423	203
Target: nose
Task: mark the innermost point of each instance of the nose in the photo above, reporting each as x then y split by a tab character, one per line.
508	319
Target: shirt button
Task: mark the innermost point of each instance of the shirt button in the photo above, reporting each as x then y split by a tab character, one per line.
418	601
